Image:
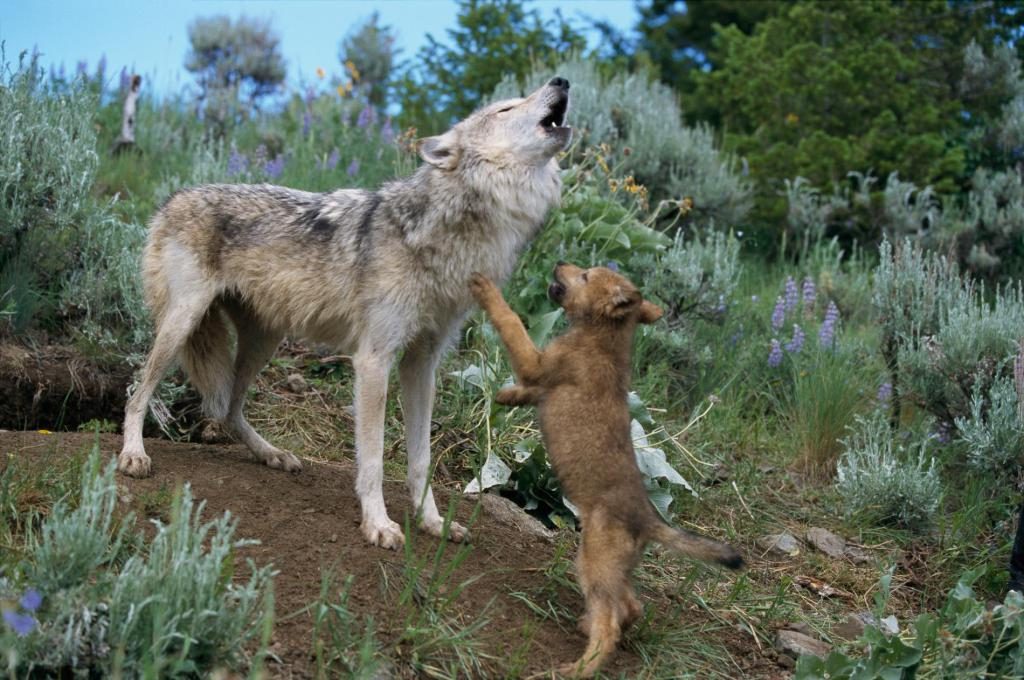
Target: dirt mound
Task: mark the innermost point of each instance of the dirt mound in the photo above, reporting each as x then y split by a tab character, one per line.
309	523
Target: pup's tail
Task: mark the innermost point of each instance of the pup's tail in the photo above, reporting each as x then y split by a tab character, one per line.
696	546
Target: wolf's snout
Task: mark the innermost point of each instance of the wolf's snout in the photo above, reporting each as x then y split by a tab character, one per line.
559	82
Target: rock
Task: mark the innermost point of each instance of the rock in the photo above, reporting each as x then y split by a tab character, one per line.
792	643
784	544
296	383
801	627
854	625
857	555
507	512
825	541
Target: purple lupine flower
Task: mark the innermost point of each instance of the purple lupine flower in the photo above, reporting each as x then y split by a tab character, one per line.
792	296
82	68
827	332
310	95
613	265
779	314
31	600
797	342
721	306
387	131
775	355
307	123
126	79
943	432
366	117
736	337
238	163
332	161
353	168
884	394
101	67
274	168
809	295
21	624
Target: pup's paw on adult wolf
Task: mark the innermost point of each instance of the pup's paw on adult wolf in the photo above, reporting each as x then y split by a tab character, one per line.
387	535
133	463
481	287
456	532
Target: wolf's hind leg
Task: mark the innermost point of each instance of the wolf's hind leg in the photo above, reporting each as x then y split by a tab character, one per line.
417	375
184	312
256	345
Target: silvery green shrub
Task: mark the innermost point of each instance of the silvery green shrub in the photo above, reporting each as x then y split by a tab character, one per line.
883	483
994	430
633	111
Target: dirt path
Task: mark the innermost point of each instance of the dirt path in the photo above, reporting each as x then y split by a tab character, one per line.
309	523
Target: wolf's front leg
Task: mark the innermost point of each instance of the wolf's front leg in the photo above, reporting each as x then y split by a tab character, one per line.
524	355
416	373
371	394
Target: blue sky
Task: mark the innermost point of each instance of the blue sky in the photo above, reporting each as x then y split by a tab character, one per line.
149	36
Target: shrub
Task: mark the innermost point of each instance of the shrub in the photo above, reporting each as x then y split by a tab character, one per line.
640	119
994	431
881	483
96	601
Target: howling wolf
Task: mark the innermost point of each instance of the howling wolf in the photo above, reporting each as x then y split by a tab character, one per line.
371	273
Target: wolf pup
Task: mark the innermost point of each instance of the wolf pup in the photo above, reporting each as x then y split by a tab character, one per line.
579	383
371	273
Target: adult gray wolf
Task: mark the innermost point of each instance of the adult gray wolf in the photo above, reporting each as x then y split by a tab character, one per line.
372	273
580	382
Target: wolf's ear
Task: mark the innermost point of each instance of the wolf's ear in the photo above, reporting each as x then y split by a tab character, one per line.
649	312
441	151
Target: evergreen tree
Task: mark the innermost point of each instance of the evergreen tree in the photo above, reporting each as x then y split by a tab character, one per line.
368	53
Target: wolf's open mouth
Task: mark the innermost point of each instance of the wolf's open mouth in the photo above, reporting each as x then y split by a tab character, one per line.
556	116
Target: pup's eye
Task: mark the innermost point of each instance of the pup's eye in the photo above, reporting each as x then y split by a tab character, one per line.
584	277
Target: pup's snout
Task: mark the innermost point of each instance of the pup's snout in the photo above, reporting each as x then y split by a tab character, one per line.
560	83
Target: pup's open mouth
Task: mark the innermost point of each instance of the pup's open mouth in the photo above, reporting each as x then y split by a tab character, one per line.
556	116
556	291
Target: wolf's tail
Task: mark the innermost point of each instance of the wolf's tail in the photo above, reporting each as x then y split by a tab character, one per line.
208	361
696	546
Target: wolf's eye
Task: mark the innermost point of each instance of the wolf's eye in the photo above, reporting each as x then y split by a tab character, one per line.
507	108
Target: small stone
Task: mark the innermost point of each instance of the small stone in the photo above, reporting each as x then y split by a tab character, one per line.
825	541
794	644
854	625
780	544
857	555
334	538
296	383
507	512
801	627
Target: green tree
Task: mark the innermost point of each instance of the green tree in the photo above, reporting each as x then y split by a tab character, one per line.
370	48
492	39
233	60
824	88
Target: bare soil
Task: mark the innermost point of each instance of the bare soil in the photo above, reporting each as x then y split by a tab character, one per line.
308	523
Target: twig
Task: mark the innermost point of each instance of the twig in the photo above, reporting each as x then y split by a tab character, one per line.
742	502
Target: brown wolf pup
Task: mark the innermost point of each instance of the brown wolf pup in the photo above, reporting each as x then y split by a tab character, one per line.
579	383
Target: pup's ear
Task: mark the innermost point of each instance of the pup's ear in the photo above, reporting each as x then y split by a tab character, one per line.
620	302
649	312
441	151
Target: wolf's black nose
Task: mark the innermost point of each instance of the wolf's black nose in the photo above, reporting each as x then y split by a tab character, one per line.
559	82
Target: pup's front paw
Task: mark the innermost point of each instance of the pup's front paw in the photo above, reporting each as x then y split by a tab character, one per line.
481	287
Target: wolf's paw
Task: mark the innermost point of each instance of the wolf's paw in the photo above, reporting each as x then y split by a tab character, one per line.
282	460
134	463
387	535
480	286
456	532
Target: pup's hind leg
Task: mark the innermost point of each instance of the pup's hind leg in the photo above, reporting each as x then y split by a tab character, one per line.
417	375
256	345
185	309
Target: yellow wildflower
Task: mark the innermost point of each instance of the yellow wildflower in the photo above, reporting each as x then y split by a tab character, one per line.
351	68
44	432
792	118
320	72
601	162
